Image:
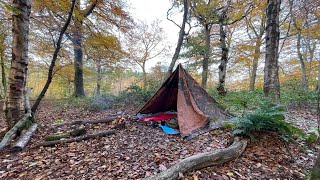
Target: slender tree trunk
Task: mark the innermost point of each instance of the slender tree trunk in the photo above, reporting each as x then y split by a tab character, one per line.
180	38
271	86
304	81
144	76
54	59
3	76
255	61
224	59
14	105
205	63
318	79
99	77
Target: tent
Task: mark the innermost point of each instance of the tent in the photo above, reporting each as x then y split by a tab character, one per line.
195	108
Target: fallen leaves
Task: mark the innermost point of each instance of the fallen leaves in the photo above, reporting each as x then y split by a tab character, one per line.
140	151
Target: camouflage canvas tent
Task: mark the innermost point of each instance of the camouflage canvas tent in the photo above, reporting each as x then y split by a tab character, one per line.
195	108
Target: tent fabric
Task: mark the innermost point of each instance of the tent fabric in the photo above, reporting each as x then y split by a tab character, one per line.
194	106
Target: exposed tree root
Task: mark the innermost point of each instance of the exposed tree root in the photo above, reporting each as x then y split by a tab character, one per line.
203	160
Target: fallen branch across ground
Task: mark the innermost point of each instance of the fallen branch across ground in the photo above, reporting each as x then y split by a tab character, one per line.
203	160
25	138
77	139
79	122
74	133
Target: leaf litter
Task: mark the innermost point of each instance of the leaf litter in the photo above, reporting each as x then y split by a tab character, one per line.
139	151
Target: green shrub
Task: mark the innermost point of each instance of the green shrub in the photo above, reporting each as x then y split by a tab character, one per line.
268	117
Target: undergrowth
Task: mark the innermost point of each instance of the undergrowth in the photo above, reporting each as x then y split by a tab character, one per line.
267	117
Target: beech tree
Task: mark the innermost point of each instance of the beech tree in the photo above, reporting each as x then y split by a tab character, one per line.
271	86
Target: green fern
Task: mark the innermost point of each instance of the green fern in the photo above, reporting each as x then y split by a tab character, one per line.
268	117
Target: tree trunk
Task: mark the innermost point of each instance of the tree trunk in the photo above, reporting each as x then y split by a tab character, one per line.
78	54
315	172
144	74
3	76
180	38
25	138
304	81
99	77
271	86
205	63
318	79
14	105
202	160
224	59
255	61
54	58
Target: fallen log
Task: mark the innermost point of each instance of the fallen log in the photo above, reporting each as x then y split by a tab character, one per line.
74	133
12	132
203	160
82	122
77	139
18	127
25	138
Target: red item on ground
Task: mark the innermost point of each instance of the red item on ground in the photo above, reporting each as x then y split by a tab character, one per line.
159	117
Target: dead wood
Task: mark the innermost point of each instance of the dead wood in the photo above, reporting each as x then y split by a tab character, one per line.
77	139
203	160
11	134
25	138
80	122
74	133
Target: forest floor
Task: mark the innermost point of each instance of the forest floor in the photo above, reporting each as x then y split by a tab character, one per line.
139	150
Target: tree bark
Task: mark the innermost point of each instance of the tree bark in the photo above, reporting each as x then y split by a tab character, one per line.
255	61
205	62
304	81
203	160
78	61
13	131
78	139
77	45
3	76
315	172
318	79
14	105
224	58
271	86
54	59
99	77
144	74
25	138
180	38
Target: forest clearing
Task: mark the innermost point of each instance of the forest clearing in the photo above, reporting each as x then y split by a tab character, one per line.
107	89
